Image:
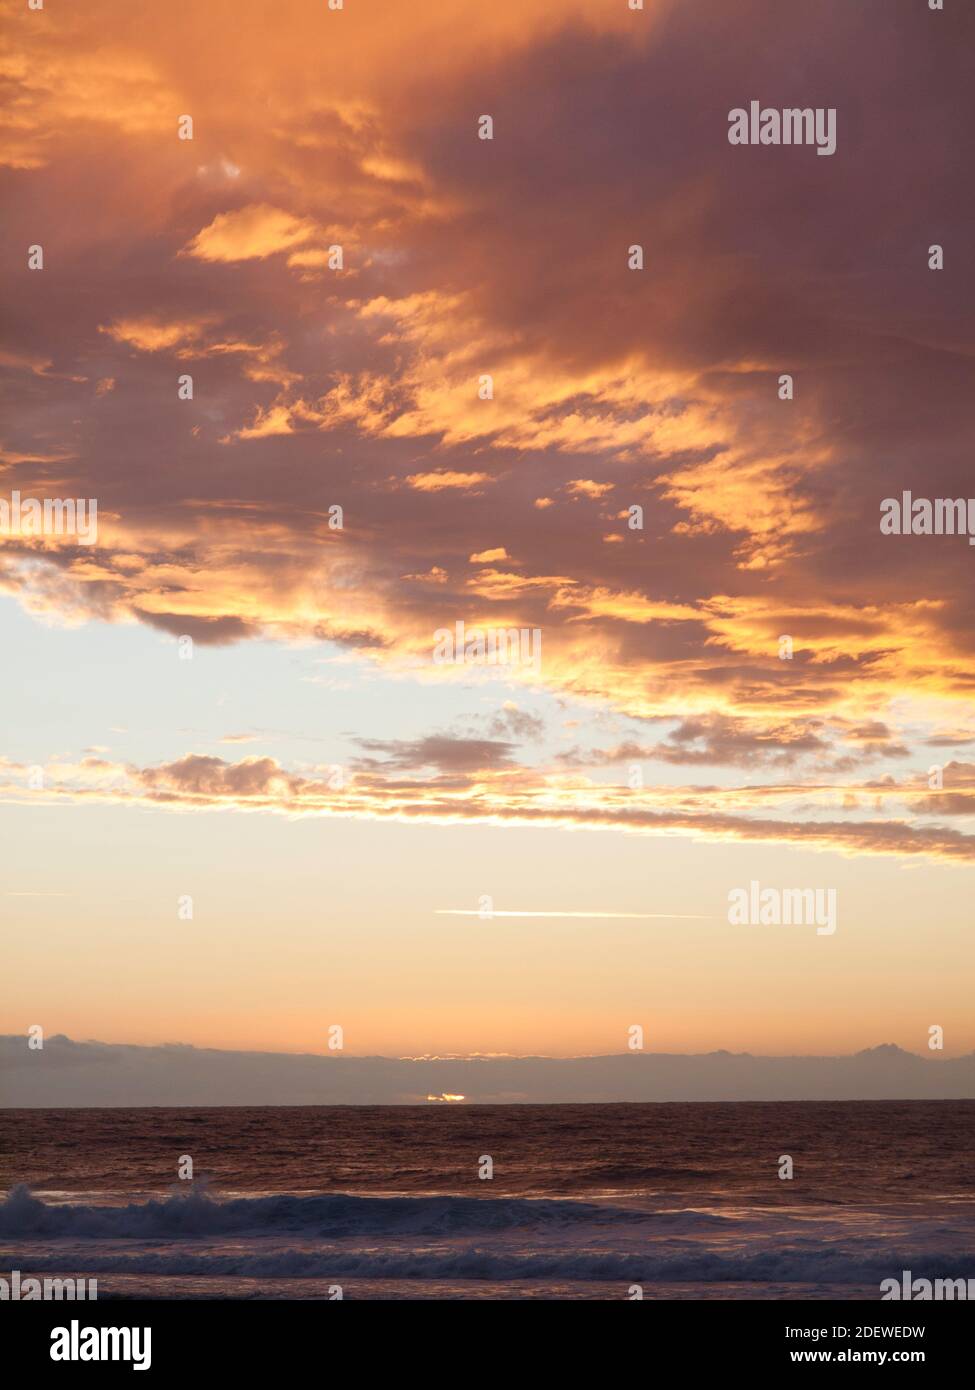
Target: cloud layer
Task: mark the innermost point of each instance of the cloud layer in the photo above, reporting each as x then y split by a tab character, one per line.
358	381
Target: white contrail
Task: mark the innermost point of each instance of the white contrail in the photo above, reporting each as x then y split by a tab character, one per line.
39	895
499	912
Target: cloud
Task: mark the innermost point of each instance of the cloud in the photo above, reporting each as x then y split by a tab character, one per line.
152	334
208	631
200	775
440	482
449	780
715	740
587	487
517	722
250	233
509	258
440	751
484	557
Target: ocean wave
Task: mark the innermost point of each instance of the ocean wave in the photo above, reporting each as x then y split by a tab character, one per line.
474	1263
196	1213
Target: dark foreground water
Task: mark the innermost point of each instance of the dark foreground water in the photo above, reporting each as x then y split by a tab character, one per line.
585	1202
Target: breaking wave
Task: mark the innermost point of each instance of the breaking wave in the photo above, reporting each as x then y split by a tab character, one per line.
329	1215
470	1262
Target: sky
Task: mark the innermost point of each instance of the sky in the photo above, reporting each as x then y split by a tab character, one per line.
756	685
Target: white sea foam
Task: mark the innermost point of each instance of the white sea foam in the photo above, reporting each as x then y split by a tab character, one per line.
458	1238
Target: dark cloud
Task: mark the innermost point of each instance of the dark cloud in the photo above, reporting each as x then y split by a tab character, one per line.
314	388
518	723
440	751
215	632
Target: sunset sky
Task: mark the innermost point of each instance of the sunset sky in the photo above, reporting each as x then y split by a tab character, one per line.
321	788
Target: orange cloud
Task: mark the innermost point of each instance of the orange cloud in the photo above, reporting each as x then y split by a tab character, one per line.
250	233
440	482
586	487
485	794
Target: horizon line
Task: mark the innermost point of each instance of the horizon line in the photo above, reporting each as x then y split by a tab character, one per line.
885	1048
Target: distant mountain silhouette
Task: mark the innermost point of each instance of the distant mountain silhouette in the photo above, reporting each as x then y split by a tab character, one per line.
67	1073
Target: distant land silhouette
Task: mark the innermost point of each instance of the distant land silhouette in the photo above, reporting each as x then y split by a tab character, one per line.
66	1073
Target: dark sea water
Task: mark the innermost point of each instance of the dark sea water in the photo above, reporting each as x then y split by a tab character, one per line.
586	1201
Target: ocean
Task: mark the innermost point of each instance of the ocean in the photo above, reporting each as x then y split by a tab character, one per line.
671	1201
